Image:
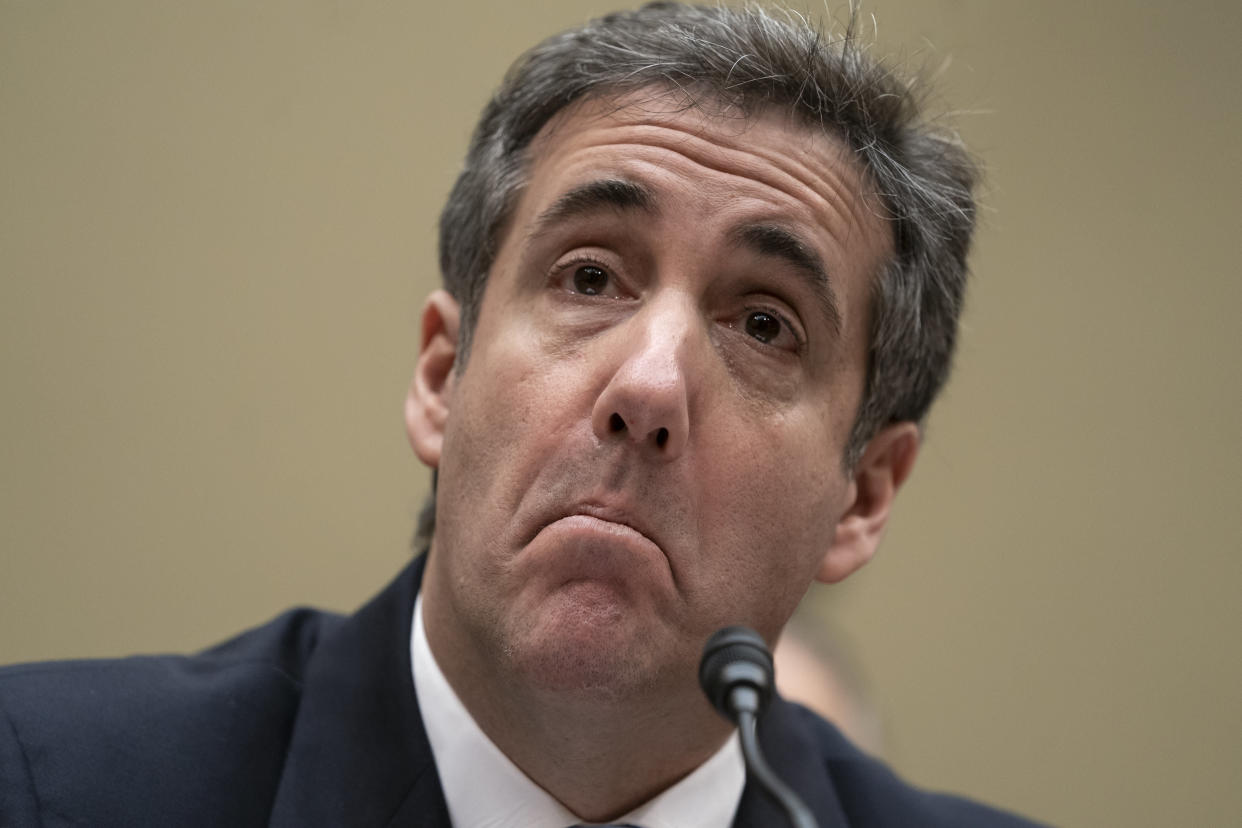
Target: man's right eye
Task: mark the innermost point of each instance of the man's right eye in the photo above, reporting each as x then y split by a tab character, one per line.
590	280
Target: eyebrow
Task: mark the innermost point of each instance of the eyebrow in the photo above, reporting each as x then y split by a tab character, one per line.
594	196
778	242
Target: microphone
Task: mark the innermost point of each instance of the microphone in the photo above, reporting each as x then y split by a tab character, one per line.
737	675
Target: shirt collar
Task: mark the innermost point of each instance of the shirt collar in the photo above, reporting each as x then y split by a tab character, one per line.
484	789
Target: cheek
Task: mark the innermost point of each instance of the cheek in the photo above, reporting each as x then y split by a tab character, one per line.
511	410
774	508
491	409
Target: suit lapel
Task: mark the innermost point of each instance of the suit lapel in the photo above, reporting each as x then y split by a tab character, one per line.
359	755
797	757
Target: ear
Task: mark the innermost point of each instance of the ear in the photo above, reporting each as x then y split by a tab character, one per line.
427	403
884	466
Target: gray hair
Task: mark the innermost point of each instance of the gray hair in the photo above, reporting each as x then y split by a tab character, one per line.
750	59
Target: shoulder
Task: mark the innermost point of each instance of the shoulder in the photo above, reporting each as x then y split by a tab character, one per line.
251	671
81	737
871	794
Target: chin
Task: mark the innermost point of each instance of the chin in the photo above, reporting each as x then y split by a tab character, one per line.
586	642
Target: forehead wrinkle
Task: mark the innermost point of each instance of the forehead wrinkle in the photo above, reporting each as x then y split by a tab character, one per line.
805	156
828	182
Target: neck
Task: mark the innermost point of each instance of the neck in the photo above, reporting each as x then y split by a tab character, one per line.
599	763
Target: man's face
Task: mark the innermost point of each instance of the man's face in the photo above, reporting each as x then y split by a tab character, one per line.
646	441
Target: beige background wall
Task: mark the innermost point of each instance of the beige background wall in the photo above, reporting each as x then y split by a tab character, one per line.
216	224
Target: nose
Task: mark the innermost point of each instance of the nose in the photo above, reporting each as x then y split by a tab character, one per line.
646	398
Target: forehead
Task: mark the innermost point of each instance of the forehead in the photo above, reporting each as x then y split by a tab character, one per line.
721	165
770	144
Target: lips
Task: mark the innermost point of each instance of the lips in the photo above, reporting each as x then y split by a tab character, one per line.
609	513
612	515
600	542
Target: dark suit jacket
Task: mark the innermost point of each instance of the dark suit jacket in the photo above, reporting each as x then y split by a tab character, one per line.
311	720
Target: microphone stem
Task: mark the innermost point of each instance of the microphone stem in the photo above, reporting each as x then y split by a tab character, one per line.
782	794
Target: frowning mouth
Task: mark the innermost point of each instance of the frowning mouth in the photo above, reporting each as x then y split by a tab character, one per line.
596	542
609	514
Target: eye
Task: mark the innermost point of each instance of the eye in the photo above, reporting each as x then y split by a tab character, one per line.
770	328
763	326
590	280
589	272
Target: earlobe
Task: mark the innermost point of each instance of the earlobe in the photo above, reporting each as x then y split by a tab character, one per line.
884	466
427	402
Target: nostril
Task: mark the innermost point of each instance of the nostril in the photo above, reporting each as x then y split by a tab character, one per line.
661	437
616	423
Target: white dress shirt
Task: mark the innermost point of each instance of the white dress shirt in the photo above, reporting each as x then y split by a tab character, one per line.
484	789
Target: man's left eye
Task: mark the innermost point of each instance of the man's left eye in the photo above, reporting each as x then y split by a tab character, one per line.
590	280
771	328
763	326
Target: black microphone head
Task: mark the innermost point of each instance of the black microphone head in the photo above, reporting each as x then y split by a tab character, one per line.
736	657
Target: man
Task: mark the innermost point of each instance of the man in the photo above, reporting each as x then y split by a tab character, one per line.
703	270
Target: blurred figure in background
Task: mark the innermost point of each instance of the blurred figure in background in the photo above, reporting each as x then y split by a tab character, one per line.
815	668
